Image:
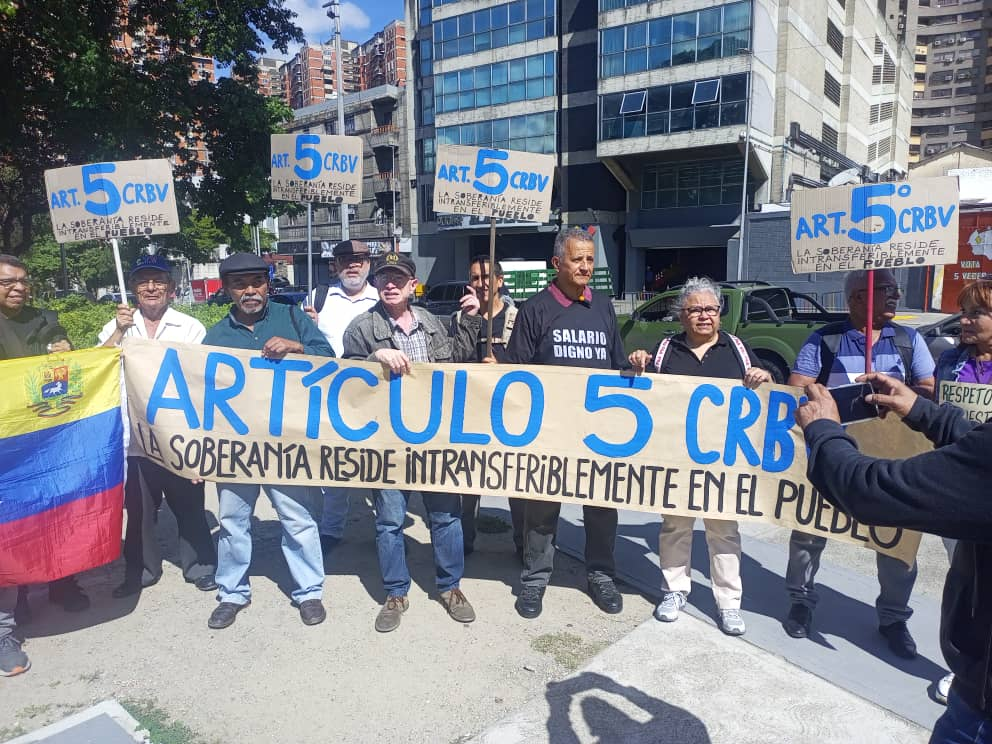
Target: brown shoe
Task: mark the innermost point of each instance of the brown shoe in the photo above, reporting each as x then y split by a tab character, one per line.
391	613
457	606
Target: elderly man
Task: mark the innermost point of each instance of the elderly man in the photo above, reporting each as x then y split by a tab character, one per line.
483	279
27	331
148	482
553	314
332	307
835	355
275	330
396	334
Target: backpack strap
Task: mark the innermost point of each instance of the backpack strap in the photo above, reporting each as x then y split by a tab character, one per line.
662	353
508	321
743	356
830	336
320	297
904	345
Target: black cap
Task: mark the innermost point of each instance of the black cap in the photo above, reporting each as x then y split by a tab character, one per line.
393	260
351	248
243	263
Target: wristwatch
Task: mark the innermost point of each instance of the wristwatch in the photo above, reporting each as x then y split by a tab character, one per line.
48	348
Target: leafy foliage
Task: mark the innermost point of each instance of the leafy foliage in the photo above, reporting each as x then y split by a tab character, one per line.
68	97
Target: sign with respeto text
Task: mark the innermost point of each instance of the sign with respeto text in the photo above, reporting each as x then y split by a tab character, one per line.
974	399
656	443
487	182
323	168
875	226
101	201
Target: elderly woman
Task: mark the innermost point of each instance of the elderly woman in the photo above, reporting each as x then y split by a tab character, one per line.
970	362
702	350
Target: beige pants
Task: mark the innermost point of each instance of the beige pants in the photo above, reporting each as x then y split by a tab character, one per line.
675	555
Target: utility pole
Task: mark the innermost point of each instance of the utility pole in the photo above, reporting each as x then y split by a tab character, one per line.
393	185
334	13
742	240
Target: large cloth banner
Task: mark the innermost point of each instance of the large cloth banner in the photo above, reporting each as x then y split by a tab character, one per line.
667	445
62	459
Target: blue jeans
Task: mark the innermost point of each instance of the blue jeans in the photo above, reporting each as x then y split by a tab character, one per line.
961	724
300	539
337	503
444	514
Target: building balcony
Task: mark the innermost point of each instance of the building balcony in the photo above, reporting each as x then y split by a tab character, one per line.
387	136
384	183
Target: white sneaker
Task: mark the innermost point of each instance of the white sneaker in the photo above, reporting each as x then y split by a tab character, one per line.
731	622
668	609
944	687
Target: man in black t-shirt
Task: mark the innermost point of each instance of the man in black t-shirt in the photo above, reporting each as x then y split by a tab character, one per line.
568	324
482	281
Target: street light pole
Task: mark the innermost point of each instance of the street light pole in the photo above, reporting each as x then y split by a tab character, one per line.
396	150
334	13
741	241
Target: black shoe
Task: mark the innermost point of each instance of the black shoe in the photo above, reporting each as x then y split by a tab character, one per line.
530	602
604	593
312	612
328	543
224	615
66	593
900	641
22	610
799	621
205	583
127	589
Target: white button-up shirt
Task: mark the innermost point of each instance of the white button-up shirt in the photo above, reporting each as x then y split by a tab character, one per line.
339	310
174	326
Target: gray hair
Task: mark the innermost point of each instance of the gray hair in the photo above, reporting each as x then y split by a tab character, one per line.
695	285
856	281
13	261
573	233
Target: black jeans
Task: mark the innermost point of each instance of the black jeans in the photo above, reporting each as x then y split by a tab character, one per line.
470	510
540	525
147	484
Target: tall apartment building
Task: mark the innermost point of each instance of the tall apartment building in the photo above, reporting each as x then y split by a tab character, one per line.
376	115
269	78
383	58
952	95
310	77
648	107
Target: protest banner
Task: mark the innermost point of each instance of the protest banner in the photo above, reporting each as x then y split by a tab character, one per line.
104	201
62	457
487	182
875	226
679	445
322	168
974	399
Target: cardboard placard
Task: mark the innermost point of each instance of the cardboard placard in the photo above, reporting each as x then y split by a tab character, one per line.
972	398
488	182
325	168
875	226
101	201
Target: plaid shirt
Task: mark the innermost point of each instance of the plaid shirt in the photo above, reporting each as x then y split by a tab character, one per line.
414	343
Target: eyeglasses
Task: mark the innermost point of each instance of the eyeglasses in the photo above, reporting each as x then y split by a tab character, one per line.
156	283
697	310
889	290
9	283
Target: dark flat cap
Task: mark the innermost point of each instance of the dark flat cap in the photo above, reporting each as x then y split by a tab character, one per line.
243	263
398	261
351	248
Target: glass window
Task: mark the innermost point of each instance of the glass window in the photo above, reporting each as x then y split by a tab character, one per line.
613	40
633	103
733	113
549	64
736	16
466	80
517	34
483	41
682	95
708	47
535	66
684	52
658	98
501	129
535	30
535	89
633	126
466	99
482	77
518	127
516	91
448	28
707	116
498	16
482	20
706	91
681	120
733	88
611	105
535	9
449	82
613	65
684	27
516	12
499	73
450	102
465	24
636	61
637	35
660	31
483	97
518	69
734	42
612	129
466	45
499	94
709	21
659	57
658	123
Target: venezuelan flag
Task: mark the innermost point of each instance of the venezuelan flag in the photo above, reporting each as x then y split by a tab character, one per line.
61	464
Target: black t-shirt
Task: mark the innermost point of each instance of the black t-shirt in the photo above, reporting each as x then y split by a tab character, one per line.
499	348
551	329
29	332
720	360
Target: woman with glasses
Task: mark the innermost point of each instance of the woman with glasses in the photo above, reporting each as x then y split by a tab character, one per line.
702	350
970	362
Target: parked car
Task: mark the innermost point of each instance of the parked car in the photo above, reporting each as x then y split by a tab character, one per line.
775	321
115	297
220	297
443	298
288	295
942	335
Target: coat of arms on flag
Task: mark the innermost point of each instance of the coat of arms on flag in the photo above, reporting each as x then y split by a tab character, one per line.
53	388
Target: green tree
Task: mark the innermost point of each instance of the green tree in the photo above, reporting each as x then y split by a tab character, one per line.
69	97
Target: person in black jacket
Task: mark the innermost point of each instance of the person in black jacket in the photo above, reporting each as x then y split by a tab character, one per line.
944	492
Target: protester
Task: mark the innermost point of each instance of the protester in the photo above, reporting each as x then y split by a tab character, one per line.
396	333
275	330
27	331
332	307
835	355
701	350
483	280
970	362
944	492
570	325
148	482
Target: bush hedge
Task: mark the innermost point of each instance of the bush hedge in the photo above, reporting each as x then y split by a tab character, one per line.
83	318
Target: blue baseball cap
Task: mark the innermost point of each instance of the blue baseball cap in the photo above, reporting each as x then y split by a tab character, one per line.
154	261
